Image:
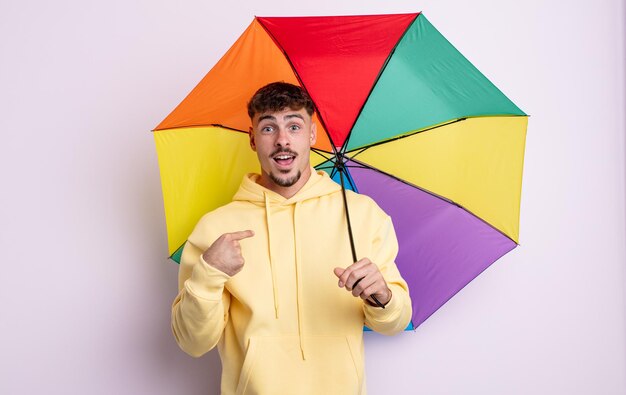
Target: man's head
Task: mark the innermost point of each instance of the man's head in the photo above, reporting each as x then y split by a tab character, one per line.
282	134
278	96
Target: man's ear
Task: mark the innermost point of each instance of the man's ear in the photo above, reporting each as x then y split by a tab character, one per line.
313	133
252	143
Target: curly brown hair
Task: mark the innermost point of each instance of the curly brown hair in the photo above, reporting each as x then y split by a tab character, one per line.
278	96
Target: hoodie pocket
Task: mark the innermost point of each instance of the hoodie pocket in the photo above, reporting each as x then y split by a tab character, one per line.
275	365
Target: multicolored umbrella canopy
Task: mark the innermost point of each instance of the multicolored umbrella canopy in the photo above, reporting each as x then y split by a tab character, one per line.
421	131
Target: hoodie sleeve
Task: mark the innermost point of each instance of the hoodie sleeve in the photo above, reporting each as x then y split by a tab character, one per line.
200	310
396	315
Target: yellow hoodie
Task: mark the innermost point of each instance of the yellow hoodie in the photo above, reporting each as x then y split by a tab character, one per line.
282	325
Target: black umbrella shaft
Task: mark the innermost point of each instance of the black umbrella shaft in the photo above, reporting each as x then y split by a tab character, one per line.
345	205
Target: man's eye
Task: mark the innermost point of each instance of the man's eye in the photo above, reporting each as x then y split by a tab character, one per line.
294	127
267	129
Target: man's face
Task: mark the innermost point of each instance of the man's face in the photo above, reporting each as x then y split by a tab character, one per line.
282	141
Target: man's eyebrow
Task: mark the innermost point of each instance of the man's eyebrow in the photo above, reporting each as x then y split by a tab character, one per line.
289	116
267	116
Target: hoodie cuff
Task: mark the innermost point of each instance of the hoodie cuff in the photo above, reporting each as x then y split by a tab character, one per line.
390	313
206	281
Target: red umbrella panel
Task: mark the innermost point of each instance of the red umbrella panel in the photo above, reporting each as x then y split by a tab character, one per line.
411	121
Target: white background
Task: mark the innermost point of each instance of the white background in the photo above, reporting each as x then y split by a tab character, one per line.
86	287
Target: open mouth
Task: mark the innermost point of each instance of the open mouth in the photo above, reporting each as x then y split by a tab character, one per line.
284	159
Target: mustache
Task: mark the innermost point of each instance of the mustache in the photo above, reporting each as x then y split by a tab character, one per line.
283	151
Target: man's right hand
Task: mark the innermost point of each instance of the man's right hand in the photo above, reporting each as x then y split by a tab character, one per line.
225	253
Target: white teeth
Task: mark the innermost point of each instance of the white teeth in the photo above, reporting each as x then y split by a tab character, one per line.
282	157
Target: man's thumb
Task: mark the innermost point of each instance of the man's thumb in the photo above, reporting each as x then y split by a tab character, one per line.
339	271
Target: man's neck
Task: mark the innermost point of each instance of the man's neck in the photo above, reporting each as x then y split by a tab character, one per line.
286	192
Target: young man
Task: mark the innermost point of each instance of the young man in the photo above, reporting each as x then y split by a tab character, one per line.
269	277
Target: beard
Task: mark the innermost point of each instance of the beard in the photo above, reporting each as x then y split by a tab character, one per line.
285	182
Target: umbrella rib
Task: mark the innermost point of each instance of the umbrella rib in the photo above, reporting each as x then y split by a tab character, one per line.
324	167
202	126
295	72
229	128
321	153
436	195
380	73
333	171
363	149
359	166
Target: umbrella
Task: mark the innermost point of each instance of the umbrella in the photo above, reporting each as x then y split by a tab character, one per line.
402	117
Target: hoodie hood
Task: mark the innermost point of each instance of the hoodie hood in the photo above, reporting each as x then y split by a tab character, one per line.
318	184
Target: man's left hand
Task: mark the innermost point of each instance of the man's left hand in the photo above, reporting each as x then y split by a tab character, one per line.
368	279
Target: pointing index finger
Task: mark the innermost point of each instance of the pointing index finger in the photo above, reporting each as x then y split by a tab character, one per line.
242	234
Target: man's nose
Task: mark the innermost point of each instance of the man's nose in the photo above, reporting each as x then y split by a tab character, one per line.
282	137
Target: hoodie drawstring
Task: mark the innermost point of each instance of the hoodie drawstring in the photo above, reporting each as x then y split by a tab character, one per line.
298	260
298	279
269	246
